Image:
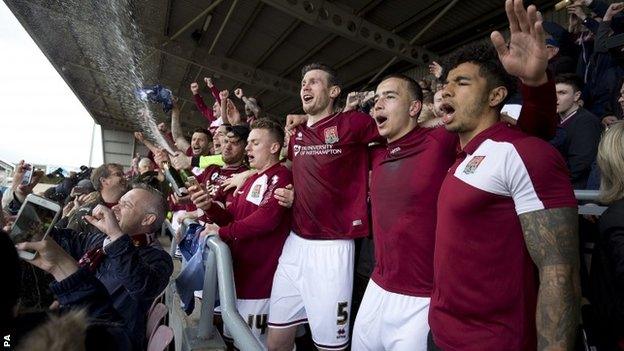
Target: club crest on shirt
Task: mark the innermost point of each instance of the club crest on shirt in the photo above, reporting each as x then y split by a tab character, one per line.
472	165
274	179
299	136
255	191
331	135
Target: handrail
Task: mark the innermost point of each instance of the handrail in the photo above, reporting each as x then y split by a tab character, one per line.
218	259
591	209
587	195
167	226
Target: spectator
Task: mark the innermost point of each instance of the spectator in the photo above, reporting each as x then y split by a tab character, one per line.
603	72
211	114
557	63
233	155
579	130
124	255
110	184
80	295
435	119
607	268
14	196
254	222
150	176
201	140
219	138
614	108
145	165
252	106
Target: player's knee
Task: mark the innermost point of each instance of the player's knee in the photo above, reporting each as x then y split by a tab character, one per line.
280	340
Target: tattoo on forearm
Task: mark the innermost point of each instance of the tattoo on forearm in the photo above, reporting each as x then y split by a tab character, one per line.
551	237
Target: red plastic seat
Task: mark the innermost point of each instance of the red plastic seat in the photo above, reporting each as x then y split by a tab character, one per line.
161	339
155	318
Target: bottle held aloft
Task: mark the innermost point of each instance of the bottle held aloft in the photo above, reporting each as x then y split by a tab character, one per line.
157	94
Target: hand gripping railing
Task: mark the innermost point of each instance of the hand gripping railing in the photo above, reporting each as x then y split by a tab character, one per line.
218	265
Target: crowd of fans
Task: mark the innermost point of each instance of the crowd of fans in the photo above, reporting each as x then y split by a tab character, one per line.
463	185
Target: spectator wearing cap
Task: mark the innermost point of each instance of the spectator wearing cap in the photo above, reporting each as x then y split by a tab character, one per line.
557	61
579	130
110	184
149	175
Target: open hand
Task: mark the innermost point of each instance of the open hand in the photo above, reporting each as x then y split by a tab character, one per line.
525	57
285	196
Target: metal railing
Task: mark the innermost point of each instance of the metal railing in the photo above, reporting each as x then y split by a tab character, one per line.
218	268
593	209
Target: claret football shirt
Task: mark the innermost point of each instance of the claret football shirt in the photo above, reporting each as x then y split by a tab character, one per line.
330	171
485	283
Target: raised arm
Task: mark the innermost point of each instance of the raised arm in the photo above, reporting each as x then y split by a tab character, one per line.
213	89
141	138
176	128
248	102
551	237
525	57
223	94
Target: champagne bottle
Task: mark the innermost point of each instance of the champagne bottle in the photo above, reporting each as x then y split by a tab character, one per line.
176	179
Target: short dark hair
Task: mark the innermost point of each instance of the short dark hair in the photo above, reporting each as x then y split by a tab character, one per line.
274	128
570	79
103	172
203	131
332	78
240	131
412	86
485	56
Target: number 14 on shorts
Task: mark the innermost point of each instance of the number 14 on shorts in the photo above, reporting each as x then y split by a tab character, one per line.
258	321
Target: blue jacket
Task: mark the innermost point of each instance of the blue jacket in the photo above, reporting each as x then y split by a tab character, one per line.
133	276
83	290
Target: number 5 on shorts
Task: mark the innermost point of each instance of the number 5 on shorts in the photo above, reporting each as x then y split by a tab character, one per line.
343	313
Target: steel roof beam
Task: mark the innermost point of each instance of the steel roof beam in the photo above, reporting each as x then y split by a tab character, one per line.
235	70
243	32
325	15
